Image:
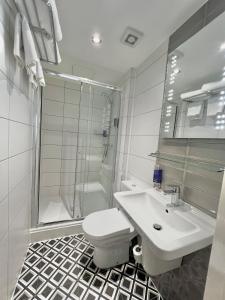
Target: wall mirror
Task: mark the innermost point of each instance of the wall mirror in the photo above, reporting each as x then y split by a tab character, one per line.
194	97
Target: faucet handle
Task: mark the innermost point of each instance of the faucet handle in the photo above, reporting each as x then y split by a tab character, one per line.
174	187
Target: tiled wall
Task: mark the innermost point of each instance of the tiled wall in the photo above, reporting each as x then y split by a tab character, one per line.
68	115
17	110
140	118
127	85
60	113
148	96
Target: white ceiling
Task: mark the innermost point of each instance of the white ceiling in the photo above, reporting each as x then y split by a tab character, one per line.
157	19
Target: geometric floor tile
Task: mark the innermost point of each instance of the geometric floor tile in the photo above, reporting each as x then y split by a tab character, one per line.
63	269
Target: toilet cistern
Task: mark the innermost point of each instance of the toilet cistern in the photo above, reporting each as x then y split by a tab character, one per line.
174	191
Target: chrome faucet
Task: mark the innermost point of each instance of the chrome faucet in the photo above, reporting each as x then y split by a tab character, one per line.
174	191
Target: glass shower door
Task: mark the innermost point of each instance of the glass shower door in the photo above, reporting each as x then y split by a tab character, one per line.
97	149
78	143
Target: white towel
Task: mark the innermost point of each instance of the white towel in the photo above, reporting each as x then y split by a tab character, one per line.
39	74
194	111
18	42
213	108
32	61
30	52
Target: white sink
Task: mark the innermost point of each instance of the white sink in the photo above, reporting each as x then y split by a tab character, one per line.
184	229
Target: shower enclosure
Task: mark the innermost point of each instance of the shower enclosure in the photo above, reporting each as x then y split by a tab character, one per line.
78	141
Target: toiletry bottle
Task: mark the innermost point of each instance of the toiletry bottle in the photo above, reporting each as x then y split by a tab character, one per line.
157	177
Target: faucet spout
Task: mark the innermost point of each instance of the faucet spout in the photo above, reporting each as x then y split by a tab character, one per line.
174	191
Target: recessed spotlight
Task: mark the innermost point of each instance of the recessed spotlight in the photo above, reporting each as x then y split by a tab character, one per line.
222	47
96	39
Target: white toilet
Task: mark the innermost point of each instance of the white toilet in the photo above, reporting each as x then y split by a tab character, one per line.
110	232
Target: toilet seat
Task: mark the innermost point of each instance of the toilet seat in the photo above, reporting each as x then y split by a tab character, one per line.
107	224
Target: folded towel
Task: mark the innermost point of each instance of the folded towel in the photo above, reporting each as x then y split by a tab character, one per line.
40	75
191	94
213	108
30	52
194	111
18	42
213	85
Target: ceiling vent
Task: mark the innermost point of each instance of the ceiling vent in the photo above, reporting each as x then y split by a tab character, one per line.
131	37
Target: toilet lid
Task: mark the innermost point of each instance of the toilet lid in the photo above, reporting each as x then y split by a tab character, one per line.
107	223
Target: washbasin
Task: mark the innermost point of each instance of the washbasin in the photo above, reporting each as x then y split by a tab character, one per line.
171	232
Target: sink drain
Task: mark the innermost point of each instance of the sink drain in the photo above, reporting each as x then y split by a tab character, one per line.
157	226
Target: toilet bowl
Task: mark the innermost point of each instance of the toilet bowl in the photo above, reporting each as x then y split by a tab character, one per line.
110	232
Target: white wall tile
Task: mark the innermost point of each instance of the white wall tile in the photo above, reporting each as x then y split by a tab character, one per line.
4	97
147	124
70	125
152	76
71	111
50	179
3	217
150	100
51	151
51	137
20	107
4	261
50	165
4	137
54	92
69	152
143	146
52	122
72	96
141	168
70	138
19	167
4	184
53	108
20	138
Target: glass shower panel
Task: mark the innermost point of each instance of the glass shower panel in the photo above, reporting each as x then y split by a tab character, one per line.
98	165
79	127
58	150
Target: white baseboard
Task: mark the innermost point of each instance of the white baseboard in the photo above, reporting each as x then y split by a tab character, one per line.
55	231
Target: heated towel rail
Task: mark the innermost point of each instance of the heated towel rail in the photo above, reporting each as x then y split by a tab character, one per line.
42	31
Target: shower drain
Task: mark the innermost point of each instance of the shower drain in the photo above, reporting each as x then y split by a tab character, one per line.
157	226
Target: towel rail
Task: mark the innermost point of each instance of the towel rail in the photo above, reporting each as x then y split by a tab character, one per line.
43	32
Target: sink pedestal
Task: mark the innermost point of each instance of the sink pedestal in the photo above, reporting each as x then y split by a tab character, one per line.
153	265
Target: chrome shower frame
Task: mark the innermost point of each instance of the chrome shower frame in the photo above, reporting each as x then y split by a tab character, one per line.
37	137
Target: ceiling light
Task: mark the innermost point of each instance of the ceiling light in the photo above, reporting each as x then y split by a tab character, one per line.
96	39
222	92
222	47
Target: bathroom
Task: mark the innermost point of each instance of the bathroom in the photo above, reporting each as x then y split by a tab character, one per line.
112	152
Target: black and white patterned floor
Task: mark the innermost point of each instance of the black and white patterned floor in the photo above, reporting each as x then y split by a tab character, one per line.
64	269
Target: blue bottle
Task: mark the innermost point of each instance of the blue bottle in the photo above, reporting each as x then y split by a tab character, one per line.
157	177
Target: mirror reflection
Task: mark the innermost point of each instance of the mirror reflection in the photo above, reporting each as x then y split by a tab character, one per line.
194	99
